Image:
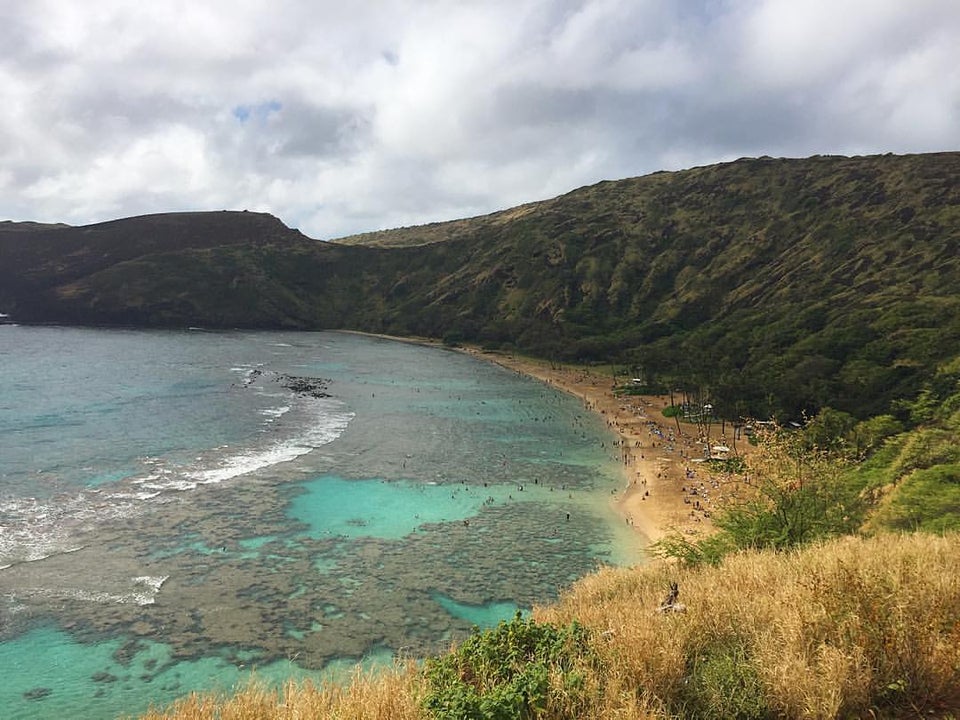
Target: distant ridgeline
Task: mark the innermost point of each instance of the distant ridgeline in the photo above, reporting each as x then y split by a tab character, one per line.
781	285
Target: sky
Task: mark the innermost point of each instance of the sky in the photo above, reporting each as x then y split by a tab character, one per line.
346	116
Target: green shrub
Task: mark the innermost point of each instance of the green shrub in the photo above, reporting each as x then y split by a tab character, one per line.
926	500
734	464
709	550
795	495
453	338
926	448
519	669
722	682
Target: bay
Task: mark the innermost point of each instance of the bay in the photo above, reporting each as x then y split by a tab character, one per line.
180	508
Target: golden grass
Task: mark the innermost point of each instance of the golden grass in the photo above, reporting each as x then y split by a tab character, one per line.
848	628
830	630
385	695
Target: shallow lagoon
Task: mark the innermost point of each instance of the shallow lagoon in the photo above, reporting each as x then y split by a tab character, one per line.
429	492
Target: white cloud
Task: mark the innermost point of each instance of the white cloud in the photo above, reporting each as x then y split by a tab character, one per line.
799	44
172	163
344	117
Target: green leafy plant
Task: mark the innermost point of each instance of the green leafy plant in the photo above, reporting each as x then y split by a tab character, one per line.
785	495
722	682
520	669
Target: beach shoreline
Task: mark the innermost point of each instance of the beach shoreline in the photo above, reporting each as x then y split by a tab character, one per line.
665	490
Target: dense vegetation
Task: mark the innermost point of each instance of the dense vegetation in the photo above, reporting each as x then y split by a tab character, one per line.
781	286
838	476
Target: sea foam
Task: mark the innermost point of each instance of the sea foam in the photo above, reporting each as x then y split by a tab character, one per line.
325	423
32	530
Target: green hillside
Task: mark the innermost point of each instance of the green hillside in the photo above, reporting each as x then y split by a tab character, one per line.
780	286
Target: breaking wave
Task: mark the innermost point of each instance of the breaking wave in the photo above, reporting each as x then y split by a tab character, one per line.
32	529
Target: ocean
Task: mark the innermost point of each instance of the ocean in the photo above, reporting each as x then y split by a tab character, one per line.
181	509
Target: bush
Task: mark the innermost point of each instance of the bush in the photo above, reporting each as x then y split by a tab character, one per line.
783	496
520	669
723	683
453	338
926	500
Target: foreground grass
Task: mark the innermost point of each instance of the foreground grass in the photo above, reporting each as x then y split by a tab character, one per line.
388	694
847	628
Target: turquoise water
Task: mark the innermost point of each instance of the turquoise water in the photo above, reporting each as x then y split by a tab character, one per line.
107	679
377	508
480	615
173	515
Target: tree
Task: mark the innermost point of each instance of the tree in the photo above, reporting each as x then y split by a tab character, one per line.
789	494
829	429
868	435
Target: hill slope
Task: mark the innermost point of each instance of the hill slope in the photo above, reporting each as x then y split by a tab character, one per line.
782	285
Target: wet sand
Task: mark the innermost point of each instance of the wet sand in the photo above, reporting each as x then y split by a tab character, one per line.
665	488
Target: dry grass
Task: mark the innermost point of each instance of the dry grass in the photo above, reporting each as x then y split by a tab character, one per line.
829	631
847	628
384	695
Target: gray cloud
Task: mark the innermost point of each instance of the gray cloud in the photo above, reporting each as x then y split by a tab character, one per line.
346	117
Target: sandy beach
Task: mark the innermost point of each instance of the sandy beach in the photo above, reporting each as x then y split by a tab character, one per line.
665	488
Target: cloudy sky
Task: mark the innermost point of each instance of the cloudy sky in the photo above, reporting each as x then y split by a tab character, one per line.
342	116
